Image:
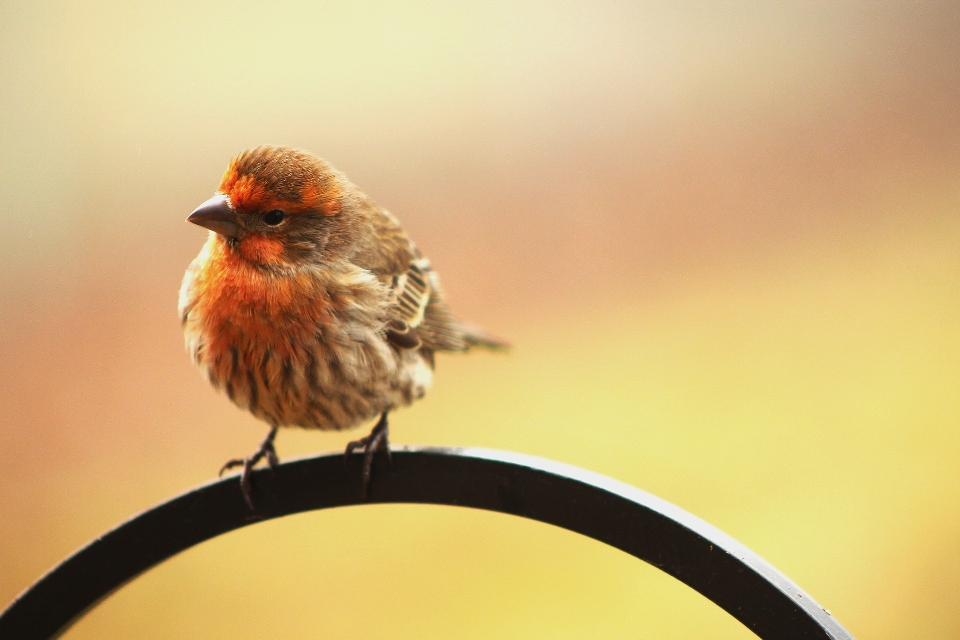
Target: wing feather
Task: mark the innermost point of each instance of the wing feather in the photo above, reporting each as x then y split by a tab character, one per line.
418	316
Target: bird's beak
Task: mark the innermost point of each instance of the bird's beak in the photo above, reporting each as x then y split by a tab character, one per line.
217	215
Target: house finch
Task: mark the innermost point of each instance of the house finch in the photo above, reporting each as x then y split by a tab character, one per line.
309	306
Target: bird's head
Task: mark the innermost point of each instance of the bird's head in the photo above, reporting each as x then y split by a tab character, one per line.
278	206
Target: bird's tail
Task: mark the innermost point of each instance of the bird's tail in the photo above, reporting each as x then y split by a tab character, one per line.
475	336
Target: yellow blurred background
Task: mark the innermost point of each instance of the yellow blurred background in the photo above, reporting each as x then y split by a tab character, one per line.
723	238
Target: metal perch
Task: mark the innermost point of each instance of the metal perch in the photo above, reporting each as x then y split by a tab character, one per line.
631	520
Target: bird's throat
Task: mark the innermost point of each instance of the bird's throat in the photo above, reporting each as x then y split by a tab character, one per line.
261	249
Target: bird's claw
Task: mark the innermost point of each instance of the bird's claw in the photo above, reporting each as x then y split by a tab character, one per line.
378	440
266	450
230	464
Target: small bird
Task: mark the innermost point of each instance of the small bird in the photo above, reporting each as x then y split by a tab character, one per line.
309	306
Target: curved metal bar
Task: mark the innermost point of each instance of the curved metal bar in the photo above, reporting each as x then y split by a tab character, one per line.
627	518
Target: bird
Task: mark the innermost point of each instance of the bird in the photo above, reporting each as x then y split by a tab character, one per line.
309	306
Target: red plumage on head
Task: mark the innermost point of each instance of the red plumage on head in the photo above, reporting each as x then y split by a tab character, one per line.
283	178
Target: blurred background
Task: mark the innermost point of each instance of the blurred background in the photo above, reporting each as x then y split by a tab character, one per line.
723	238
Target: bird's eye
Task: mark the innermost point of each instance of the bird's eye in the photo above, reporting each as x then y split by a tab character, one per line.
274	217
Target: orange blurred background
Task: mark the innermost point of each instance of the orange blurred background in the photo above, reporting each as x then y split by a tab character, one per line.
723	238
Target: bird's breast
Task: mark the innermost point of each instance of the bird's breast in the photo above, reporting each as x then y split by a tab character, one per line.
236	305
301	348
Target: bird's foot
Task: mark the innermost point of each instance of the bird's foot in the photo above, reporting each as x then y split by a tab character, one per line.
377	440
267	451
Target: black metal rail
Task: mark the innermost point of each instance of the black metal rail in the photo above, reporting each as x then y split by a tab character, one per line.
629	519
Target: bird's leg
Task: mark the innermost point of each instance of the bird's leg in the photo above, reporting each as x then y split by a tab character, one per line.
378	439
267	451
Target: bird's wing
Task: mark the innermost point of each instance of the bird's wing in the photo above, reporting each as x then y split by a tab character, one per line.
410	295
419	317
387	251
436	326
420	307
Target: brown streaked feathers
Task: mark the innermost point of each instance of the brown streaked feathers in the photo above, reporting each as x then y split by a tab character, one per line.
320	312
